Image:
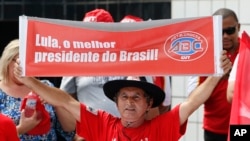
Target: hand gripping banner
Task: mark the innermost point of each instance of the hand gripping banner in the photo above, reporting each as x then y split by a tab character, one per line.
53	47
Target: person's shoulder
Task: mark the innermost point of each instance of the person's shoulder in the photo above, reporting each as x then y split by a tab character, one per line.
172	113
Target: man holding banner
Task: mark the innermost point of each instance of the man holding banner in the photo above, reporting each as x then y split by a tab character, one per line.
119	49
133	99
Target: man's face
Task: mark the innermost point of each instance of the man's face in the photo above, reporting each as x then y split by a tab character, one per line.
230	33
132	104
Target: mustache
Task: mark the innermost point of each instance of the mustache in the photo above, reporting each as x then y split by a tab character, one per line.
129	108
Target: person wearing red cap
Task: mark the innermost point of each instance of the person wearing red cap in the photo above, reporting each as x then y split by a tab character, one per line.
98	15
133	99
7	129
44	123
88	90
130	19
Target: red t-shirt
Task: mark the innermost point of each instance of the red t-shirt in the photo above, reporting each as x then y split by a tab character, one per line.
7	129
101	126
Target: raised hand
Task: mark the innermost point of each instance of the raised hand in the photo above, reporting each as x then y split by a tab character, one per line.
226	64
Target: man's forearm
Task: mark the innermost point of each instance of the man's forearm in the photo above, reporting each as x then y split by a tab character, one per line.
52	95
203	91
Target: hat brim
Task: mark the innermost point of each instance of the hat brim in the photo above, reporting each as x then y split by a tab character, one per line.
112	87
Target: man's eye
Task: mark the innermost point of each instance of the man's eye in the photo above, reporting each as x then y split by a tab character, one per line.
124	97
136	97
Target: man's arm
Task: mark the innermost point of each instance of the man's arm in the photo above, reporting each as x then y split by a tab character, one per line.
230	91
197	97
203	91
231	81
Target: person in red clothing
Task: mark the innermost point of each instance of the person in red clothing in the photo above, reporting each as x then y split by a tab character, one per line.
133	99
217	109
8	130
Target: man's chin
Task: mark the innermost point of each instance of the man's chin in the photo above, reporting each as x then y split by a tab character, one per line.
227	47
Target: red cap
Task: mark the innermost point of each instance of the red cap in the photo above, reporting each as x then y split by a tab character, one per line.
98	15
130	18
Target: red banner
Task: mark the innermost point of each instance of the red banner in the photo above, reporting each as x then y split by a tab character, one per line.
240	113
51	47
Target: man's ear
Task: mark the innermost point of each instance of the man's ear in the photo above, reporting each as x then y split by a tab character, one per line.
150	103
239	25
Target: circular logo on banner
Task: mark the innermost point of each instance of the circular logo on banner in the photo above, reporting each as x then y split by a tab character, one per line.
186	46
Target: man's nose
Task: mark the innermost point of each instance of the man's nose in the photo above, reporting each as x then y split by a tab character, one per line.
130	100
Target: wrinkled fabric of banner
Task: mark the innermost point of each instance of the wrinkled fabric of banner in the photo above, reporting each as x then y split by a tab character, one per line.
240	112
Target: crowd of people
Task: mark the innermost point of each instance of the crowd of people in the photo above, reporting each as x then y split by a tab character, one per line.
115	108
